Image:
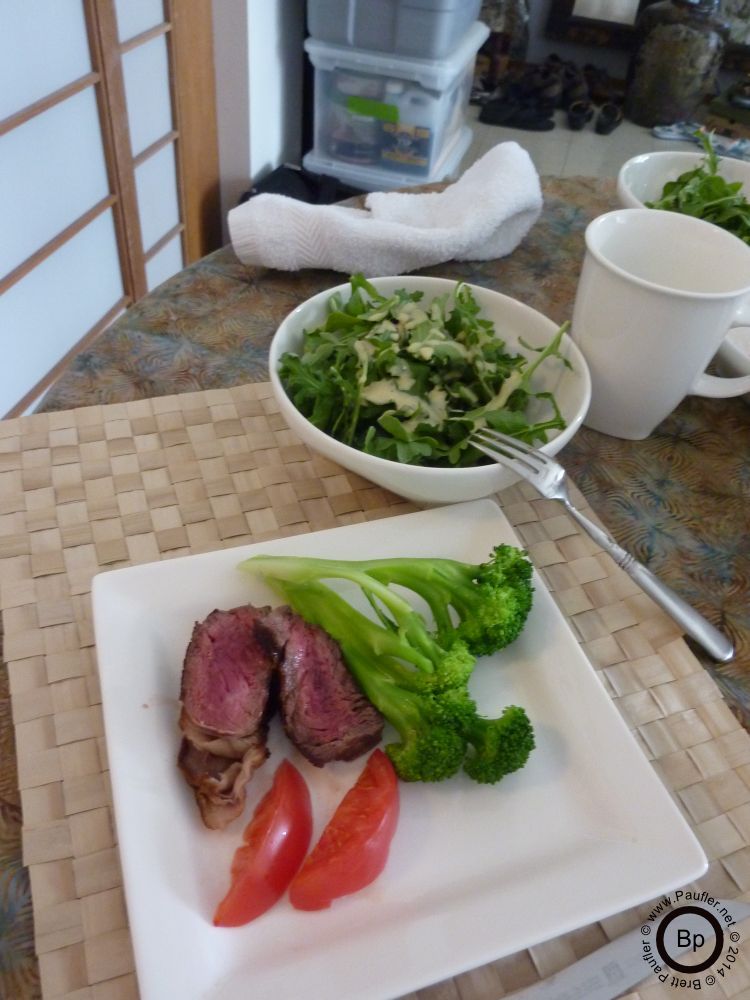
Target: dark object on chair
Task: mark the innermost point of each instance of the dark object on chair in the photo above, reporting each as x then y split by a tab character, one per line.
302	185
609	117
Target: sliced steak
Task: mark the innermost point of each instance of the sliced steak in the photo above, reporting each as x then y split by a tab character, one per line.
323	711
238	666
226	703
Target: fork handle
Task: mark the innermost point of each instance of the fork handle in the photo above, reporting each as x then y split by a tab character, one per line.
718	646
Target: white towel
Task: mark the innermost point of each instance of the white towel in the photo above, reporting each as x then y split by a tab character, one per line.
484	214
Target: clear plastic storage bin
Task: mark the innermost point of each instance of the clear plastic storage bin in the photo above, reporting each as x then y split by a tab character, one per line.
427	29
390	114
376	179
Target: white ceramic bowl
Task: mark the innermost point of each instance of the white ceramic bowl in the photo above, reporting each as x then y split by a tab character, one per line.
733	357
643	177
512	321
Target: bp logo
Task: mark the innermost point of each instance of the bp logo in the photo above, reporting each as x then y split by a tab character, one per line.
690	940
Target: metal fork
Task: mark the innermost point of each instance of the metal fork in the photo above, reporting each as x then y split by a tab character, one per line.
550	479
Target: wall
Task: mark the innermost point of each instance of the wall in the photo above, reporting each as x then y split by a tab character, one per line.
230	24
259	65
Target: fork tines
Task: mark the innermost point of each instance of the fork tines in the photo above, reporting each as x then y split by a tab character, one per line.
505	449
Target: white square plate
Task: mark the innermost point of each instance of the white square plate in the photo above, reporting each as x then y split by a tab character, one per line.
585	830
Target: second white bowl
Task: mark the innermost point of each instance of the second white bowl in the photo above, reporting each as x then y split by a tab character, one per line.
642	178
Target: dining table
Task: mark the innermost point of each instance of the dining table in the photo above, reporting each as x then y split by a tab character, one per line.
162	438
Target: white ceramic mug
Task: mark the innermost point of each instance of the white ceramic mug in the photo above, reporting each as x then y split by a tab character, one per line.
657	295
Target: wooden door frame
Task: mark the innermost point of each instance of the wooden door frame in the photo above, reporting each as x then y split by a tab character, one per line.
195	112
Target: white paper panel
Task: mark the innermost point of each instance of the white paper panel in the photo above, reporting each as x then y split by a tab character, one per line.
165	263
52	170
146	72
43	46
135	16
156	184
55	305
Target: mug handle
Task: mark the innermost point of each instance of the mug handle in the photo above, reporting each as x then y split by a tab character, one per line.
715	386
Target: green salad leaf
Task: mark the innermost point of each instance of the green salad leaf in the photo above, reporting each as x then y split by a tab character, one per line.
411	382
705	194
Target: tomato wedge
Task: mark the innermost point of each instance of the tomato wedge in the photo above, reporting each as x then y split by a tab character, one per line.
353	848
275	843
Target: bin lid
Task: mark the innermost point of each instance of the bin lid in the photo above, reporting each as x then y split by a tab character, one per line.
433	74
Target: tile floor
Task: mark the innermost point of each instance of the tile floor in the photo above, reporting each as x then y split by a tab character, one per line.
565	153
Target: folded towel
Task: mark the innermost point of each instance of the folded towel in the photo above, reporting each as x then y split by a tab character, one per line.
484	214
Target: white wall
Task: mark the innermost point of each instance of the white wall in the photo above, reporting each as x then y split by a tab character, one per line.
232	97
259	57
276	35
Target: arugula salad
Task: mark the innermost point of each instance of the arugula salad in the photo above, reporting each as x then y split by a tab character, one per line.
410	381
705	194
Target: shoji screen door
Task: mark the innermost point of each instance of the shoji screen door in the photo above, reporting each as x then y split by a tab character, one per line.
108	169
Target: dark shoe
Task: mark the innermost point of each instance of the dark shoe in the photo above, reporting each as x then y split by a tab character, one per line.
580	113
609	117
532	119
498	110
519	115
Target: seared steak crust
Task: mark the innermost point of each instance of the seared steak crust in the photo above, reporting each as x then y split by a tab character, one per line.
218	781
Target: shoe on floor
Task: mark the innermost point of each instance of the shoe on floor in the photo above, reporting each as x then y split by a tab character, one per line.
517	115
609	117
580	114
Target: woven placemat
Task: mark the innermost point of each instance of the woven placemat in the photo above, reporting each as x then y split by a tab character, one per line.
108	486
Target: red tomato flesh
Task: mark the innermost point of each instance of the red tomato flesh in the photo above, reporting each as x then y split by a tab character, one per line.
275	843
353	848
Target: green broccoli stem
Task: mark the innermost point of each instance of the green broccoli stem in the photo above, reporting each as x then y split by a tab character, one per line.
362	643
436	719
357	635
484	606
432	746
406	622
441	583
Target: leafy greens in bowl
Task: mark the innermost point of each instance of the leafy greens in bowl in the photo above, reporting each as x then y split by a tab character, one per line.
703	185
389	377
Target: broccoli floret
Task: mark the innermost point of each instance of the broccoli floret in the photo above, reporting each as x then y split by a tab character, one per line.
484	605
498	746
430	746
417	684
